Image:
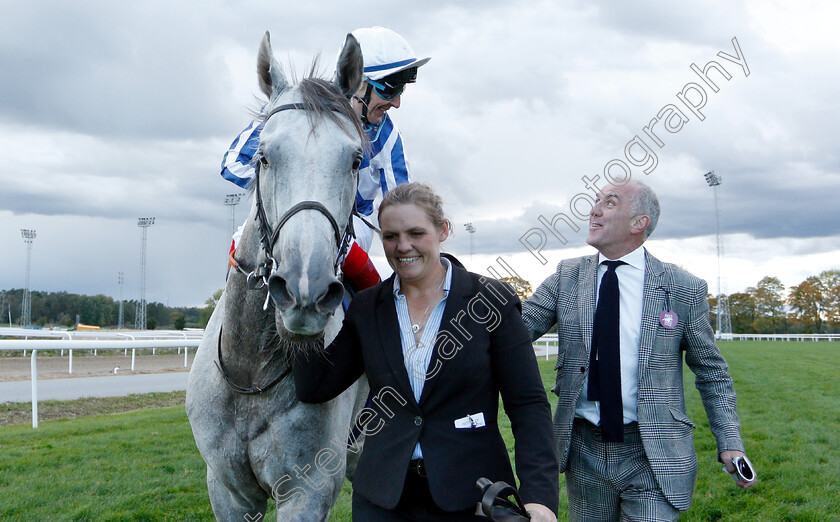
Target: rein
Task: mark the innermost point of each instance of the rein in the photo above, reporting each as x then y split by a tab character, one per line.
253	390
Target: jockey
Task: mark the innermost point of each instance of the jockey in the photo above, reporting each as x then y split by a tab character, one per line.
389	64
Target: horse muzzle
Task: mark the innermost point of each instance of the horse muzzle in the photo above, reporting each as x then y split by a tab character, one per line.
304	304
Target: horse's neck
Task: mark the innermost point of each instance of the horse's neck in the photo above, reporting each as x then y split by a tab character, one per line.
251	349
246	304
244	315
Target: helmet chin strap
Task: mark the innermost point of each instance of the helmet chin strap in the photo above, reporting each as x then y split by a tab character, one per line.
365	101
368	126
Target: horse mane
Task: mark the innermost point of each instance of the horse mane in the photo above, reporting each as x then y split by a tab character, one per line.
322	98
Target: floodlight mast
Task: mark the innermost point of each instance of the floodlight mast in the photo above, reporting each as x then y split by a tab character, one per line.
231	200
120	281
471	229
28	235
724	324
140	321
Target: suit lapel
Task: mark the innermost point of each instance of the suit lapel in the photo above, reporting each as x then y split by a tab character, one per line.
653	304
389	338
586	298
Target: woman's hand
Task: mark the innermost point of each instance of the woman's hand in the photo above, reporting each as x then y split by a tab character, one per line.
540	513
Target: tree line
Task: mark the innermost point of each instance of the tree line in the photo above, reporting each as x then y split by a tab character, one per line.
63	309
812	306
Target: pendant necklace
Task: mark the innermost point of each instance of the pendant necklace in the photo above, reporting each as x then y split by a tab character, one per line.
415	327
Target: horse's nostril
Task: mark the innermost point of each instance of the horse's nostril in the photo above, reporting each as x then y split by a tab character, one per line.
279	292
331	298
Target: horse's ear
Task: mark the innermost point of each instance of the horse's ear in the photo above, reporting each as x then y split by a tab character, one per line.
272	79
350	67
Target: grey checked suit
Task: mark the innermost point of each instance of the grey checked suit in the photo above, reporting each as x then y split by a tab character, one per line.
568	298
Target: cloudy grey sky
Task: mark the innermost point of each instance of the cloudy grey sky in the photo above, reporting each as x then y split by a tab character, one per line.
110	111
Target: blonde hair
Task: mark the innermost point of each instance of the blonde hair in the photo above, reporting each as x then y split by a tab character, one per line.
419	194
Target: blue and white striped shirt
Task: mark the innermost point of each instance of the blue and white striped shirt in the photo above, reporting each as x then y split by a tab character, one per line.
382	168
417	355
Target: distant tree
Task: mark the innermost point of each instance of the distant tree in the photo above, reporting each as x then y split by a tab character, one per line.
209	306
521	286
769	305
151	323
806	303
161	313
178	320
830	286
742	312
713	303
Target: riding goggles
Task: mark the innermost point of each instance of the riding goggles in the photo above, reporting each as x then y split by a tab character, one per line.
387	92
393	85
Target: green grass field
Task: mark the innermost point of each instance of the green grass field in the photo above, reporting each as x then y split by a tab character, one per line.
143	465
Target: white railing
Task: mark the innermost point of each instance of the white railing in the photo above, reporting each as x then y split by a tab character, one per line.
783	337
36	333
188	333
546	345
70	345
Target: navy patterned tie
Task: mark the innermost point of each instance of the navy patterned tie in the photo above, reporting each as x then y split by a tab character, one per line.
604	358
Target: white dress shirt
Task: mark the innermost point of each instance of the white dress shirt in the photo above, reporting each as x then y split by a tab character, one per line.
631	285
417	355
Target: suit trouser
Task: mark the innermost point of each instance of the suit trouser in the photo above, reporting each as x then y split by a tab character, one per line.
415	504
608	481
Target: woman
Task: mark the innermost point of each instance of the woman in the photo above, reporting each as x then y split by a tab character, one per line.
438	345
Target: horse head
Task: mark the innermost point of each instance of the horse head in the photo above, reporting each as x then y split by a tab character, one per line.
309	154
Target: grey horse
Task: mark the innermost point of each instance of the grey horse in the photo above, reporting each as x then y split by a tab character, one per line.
283	300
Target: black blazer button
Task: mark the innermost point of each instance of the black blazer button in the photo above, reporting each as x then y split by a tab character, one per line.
418	421
583	369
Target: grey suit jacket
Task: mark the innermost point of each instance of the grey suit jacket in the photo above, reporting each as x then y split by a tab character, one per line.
568	298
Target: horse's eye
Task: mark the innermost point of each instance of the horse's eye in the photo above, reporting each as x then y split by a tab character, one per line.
263	161
357	163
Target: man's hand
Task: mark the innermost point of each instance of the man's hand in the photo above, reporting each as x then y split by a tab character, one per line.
727	457
540	513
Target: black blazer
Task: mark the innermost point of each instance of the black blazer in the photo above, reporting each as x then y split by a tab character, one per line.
483	348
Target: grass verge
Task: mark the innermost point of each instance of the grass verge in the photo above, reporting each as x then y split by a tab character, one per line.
143	465
21	412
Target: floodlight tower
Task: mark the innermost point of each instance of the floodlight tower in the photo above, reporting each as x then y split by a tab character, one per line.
231	200
724	323
140	321
471	229
28	236
120	281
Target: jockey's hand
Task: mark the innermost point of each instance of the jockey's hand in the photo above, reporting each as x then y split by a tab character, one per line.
540	513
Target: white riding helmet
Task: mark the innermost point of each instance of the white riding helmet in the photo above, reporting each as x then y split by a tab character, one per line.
385	52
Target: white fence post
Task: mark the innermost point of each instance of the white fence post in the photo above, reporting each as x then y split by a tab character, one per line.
34	369
31	347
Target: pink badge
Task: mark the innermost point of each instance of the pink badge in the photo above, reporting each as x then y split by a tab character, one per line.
668	319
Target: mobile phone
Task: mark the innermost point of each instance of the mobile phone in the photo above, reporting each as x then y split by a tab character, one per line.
743	470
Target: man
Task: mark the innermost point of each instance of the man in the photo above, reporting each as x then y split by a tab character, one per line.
624	439
389	64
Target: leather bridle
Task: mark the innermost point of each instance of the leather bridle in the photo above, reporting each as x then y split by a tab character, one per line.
258	278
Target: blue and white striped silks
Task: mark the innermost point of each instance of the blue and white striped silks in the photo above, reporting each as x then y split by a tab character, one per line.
382	168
